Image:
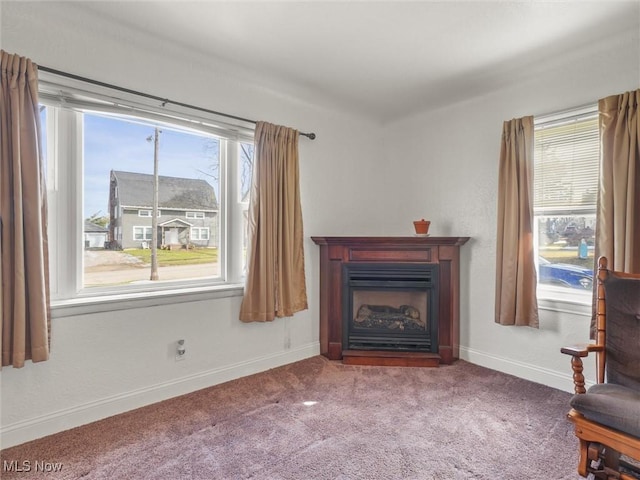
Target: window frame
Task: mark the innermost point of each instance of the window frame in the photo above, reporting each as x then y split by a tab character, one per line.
145	229
150	213
64	167
551	297
200	230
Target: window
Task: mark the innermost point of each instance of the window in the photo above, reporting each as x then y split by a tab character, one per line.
142	213
566	169
142	233
100	151
199	233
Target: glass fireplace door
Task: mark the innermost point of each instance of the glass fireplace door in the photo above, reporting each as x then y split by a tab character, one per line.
390	307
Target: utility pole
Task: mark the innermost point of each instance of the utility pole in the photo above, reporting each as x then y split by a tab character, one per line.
154	212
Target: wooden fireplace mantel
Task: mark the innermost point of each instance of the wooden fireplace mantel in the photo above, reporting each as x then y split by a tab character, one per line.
336	251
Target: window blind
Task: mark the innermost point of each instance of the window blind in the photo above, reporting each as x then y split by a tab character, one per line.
566	165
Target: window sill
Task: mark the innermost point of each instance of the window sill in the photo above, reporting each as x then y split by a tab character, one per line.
565	300
128	301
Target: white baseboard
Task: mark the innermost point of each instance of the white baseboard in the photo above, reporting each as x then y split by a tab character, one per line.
41	426
544	376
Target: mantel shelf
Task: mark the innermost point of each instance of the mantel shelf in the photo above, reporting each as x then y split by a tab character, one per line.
389	240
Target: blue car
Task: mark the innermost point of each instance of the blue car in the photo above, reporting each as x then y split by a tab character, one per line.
564	274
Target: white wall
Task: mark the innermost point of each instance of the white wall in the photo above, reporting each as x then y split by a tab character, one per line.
105	363
447	165
356	178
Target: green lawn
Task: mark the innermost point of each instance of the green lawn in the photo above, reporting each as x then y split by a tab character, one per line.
557	255
177	257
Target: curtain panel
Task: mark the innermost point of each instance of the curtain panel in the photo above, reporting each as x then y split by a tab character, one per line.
275	285
24	265
516	302
618	211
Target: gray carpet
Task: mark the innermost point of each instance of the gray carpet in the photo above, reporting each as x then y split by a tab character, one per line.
318	419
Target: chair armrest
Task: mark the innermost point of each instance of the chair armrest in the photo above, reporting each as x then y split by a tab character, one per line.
581	350
577	352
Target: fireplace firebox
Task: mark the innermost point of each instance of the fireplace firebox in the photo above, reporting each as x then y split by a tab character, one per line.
390	307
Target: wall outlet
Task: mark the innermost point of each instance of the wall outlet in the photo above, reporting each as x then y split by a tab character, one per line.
181	350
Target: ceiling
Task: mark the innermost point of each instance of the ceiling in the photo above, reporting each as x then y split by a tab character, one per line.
382	59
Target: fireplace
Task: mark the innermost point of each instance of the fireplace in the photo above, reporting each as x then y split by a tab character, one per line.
390	307
424	275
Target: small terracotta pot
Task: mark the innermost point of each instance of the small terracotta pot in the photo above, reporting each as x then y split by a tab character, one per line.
422	226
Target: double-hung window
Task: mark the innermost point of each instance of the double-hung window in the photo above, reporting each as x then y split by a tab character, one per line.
566	172
200	233
112	159
142	233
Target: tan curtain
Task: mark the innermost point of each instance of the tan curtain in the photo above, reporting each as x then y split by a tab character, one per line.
618	214
275	284
24	296
618	211
516	300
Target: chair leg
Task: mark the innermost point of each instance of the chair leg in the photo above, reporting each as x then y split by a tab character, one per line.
584	460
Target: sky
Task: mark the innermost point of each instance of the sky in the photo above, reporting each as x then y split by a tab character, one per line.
115	144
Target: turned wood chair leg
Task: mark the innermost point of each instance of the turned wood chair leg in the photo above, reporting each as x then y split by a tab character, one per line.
578	377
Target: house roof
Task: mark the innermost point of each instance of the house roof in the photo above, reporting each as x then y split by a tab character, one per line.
136	189
175	222
93	228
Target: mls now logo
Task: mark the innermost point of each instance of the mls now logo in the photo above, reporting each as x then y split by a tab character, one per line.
28	466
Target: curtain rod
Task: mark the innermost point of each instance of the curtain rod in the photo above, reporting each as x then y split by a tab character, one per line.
164	101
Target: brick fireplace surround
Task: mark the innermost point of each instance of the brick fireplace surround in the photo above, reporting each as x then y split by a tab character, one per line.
336	252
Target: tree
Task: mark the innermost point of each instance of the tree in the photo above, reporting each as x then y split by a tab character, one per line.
246	169
246	166
98	219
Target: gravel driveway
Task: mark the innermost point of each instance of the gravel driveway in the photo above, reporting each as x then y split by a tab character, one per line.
94	258
112	267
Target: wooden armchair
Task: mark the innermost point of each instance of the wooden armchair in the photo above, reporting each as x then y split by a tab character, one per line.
607	415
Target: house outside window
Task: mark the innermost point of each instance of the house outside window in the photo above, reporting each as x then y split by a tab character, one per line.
100	164
175	195
566	171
